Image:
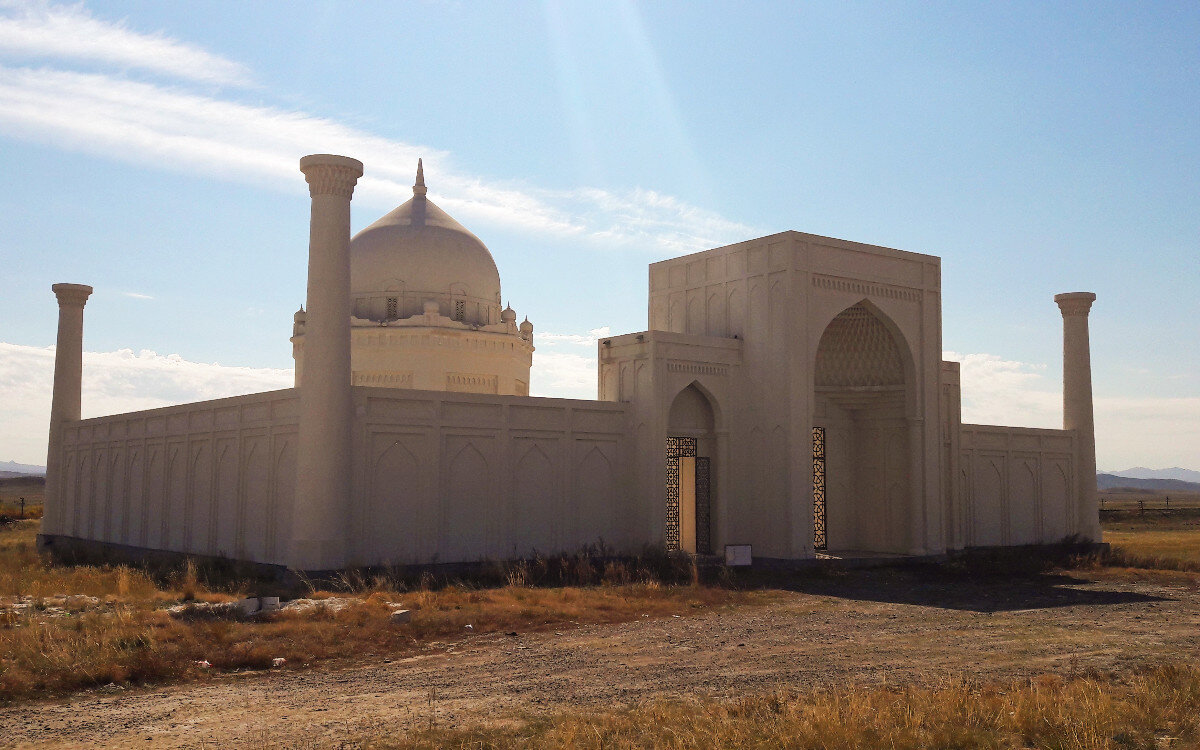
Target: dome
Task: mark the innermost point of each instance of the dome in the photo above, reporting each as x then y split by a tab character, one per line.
418	253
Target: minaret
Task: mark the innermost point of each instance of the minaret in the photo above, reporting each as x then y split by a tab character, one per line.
67	401
323	460
1077	406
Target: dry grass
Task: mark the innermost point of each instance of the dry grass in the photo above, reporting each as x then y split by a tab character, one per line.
1154	541
12	489
125	635
1152	708
1135	499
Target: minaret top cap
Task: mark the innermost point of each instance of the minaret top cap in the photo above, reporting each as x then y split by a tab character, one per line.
419	188
331	160
72	293
1075	303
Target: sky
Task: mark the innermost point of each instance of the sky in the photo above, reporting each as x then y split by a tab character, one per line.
150	150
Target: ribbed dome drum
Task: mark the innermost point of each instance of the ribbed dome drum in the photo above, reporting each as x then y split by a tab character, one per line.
417	253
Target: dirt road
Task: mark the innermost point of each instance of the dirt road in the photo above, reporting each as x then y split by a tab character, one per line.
863	627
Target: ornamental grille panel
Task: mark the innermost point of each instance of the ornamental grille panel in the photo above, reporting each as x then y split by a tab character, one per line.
677	447
820	542
460	309
703	482
393	308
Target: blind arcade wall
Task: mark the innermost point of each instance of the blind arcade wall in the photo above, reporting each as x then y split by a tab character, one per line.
438	477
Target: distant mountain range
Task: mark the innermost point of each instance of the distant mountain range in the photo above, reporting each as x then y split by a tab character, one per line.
14	469
1141	472
1161	484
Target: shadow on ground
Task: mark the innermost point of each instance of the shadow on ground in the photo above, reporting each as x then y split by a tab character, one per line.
949	588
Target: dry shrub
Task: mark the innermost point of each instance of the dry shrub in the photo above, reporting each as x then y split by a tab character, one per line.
1154	707
125	635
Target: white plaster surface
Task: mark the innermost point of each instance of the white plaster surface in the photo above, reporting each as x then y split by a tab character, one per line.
423	446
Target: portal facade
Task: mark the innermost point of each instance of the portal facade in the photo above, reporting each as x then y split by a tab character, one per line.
788	394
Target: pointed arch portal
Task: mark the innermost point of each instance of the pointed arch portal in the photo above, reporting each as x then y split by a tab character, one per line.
691	443
861	434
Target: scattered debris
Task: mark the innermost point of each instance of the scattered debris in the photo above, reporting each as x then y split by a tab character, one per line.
207	611
278	662
401	616
332	605
204	664
257	604
13	608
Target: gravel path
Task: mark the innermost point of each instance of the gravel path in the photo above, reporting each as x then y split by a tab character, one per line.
862	627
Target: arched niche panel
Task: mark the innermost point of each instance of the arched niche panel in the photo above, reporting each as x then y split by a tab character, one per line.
97	493
80	488
282	498
156	497
1022	503
695	316
537	509
394	523
1056	500
225	523
200	500
118	495
595	495
736	304
716	314
250	536
136	499
987	500
466	502
177	496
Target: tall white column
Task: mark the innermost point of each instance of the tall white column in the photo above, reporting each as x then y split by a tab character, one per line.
323	459
1077	406
66	403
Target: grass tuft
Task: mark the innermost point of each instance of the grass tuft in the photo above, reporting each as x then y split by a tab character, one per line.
1148	708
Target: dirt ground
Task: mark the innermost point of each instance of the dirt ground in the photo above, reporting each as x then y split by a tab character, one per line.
864	627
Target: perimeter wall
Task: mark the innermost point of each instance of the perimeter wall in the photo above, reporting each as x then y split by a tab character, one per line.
1016	485
438	477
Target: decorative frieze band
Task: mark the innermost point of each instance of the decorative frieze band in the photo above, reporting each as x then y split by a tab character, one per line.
694	368
387	379
471	383
865	288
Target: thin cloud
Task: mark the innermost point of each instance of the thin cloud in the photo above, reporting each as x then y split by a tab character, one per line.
136	295
174	128
144	123
584	339
113	383
1134	430
1149	431
69	32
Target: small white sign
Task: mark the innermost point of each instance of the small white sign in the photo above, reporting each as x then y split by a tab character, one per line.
738	555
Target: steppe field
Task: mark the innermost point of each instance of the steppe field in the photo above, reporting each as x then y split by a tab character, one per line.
1046	650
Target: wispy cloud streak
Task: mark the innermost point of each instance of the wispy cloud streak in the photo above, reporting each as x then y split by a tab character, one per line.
144	123
172	127
43	30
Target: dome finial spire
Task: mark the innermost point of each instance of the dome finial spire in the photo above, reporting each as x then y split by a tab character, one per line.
419	188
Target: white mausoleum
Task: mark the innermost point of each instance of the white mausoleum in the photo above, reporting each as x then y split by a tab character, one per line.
789	394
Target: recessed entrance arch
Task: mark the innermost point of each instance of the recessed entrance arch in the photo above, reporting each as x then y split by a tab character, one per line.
691	444
862	460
